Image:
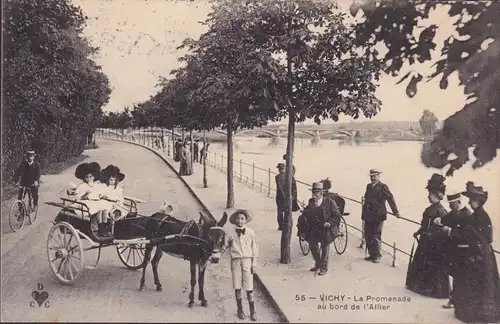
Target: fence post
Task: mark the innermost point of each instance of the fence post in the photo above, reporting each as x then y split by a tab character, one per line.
394	254
269	182
241	170
253	175
215	160
222	163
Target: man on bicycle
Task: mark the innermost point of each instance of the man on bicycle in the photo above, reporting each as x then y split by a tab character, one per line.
28	175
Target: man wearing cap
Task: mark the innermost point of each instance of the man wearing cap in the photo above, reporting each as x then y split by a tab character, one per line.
280	194
28	175
375	213
454	219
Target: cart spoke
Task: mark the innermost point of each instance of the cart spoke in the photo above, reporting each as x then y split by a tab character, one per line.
69	241
70	271
133	255
128	256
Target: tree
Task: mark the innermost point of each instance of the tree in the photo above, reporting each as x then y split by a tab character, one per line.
428	122
53	90
323	75
475	55
228	84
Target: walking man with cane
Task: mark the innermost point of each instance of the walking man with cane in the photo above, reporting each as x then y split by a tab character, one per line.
375	213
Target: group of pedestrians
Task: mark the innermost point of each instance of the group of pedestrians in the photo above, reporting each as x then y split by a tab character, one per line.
183	154
457	244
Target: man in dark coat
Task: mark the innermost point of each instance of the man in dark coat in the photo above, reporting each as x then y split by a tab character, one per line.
28	175
280	194
195	151
375	213
322	217
458	215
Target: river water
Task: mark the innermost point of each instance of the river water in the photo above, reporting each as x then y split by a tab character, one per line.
348	166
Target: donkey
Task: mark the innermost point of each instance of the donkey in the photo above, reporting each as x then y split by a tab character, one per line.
204	241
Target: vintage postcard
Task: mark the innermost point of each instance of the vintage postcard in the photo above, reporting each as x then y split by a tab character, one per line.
302	161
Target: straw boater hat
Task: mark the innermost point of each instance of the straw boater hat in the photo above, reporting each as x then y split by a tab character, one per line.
112	171
317	186
476	193
374	172
248	215
85	168
454	197
30	152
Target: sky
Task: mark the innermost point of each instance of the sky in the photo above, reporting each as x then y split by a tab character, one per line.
138	42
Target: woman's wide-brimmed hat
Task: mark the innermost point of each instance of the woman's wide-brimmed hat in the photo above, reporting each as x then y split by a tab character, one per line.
247	213
85	168
374	172
112	171
436	183
327	184
474	192
317	186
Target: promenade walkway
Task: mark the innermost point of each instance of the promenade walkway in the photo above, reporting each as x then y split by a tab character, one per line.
353	290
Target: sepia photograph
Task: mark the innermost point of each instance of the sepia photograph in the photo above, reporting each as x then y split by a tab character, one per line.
228	161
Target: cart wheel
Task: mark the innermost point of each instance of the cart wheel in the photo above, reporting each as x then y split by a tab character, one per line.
132	256
17	215
340	241
65	252
33	213
304	246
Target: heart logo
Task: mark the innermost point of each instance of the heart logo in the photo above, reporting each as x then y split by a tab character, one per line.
40	297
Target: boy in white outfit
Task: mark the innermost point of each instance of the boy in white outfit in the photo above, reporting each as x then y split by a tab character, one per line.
244	251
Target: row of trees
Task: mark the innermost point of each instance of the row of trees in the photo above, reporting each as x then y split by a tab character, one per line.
53	90
262	61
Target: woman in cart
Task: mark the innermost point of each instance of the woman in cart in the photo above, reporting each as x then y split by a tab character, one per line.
112	191
90	192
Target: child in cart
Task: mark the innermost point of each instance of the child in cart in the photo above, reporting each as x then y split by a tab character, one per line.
90	192
243	250
112	191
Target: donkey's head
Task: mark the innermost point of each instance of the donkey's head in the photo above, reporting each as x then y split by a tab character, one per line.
214	234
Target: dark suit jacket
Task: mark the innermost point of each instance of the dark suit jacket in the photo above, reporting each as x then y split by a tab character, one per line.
316	217
374	209
27	174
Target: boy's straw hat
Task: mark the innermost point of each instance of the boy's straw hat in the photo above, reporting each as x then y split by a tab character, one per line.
247	213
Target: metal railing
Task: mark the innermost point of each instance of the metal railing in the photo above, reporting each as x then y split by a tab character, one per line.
251	175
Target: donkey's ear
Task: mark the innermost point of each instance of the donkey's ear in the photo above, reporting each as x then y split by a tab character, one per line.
204	218
223	220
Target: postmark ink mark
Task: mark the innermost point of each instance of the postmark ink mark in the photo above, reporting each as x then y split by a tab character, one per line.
40	296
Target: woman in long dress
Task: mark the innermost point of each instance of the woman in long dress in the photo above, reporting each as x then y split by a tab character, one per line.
427	274
186	165
476	294
90	192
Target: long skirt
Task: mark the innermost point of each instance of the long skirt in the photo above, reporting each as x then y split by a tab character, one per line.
428	272
476	294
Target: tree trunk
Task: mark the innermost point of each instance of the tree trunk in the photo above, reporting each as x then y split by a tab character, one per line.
173	142
182	134
191	145
286	233
230	189
205	154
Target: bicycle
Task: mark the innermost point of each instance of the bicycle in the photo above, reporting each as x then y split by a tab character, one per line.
20	210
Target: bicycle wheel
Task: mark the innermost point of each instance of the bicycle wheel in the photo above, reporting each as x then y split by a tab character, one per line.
16	215
304	246
340	241
32	213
